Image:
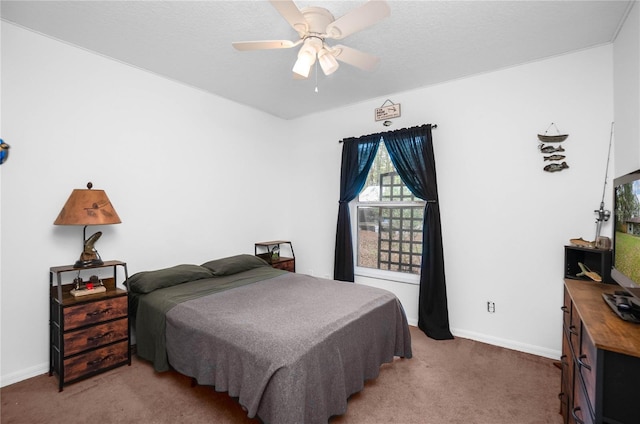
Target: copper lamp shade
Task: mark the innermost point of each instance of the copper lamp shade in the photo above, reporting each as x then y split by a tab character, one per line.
88	207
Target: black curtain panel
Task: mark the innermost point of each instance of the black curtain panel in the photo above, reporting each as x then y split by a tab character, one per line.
357	156
411	152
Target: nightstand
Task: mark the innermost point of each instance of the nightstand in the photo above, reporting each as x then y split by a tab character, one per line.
264	250
88	334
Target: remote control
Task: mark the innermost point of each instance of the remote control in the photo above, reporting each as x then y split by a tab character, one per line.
623	303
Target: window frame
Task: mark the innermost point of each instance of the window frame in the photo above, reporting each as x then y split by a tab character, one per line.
381	274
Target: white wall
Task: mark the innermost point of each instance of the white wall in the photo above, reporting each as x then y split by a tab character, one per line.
187	172
190	175
627	94
505	221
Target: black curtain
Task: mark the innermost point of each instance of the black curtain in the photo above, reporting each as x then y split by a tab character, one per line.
357	157
411	151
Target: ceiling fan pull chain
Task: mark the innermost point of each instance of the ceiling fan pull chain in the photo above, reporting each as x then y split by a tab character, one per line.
316	76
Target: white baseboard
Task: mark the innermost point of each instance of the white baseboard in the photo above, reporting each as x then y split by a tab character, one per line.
508	344
15	377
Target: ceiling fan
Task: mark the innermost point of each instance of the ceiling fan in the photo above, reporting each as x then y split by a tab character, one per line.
314	25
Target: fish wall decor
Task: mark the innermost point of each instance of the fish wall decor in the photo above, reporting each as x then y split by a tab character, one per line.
547	149
554	157
550	149
555	167
552	138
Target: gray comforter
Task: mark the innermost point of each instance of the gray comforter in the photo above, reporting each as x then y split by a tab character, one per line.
291	348
151	308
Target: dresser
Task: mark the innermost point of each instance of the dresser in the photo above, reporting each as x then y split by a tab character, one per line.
600	359
88	334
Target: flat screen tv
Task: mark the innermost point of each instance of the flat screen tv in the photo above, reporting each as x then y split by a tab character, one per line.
626	234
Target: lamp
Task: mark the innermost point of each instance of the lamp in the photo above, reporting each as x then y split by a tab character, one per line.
88	207
327	61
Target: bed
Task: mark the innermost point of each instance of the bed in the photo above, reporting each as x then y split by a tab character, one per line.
290	347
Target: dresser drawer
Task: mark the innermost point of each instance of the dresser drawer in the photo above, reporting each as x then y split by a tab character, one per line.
96	360
566	309
96	336
587	365
581	410
95	312
566	386
575	329
566	361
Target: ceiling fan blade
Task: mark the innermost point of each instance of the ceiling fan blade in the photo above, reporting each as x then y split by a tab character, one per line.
358	19
355	57
264	44
289	11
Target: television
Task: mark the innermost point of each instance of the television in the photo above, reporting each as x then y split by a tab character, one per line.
625	266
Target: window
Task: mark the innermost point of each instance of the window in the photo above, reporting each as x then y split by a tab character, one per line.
389	222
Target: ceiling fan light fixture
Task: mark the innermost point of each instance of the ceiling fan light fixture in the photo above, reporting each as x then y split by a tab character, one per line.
302	66
314	25
306	58
328	62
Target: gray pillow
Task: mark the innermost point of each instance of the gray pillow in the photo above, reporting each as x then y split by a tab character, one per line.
148	281
234	264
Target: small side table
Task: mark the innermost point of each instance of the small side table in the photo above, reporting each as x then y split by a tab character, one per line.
264	250
88	334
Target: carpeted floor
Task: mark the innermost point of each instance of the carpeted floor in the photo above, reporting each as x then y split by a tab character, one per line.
453	381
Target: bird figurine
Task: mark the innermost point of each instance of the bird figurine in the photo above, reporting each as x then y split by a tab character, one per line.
90	256
4	151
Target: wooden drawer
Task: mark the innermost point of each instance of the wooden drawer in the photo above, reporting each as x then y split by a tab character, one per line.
96	360
566	386
581	412
285	265
587	365
575	329
95	312
566	361
566	309
96	336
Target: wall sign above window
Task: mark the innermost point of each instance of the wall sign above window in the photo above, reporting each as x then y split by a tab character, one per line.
388	110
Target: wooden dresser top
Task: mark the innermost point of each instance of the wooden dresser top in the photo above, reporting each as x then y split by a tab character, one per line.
605	328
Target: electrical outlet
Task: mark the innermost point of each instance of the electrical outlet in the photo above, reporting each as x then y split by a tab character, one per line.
491	307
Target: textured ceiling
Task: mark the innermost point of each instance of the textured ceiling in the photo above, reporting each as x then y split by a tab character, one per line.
420	44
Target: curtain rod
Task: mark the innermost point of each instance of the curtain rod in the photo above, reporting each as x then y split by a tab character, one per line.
433	126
